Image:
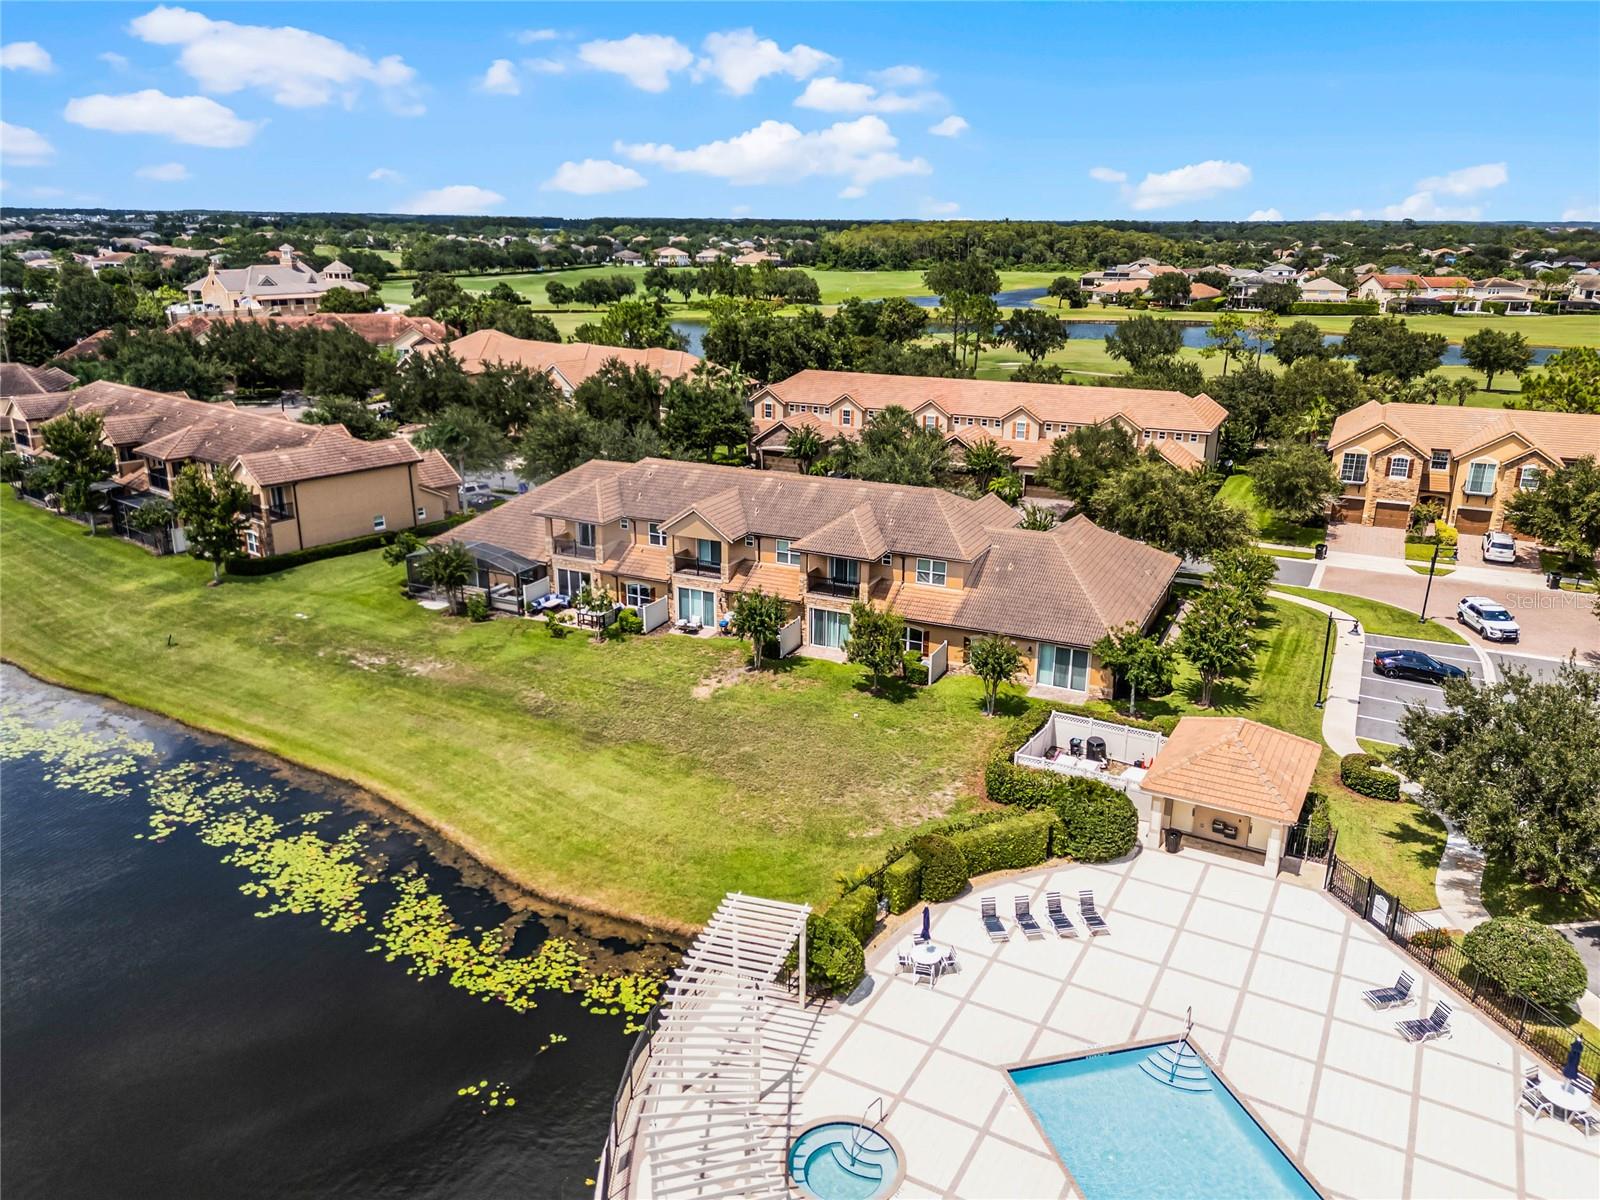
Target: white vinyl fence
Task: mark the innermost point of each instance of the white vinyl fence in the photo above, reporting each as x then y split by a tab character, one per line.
789	637
1124	744
938	662
655	614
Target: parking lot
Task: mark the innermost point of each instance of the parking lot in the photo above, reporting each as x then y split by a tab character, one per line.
1383	700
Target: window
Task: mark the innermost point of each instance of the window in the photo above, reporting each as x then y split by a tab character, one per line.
844	416
1528	478
21	435
276	498
657	538
1480	479
844	570
1353	468
829	628
422	514
929	421
1439	460
1019	430
623	523
1063	667
379	524
766	410
915	640
1400	467
697	604
932	570
888	558
585	534
788	557
639	594
1162	436
252	543
749	539
570	583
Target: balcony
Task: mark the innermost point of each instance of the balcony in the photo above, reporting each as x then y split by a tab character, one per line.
277	512
827	585
570	548
689	564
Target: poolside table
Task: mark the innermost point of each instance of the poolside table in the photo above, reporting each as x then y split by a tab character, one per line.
928	954
1563	1093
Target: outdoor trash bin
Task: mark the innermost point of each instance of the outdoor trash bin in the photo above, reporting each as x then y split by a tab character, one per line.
1174	840
1553	581
1321	550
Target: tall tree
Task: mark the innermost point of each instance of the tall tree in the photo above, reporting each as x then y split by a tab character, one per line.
757	617
985	462
358	420
1494	351
558	293
876	641
1563	510
1569	382
1388	346
212	508
449	567
965	288
1139	660
467	438
1171	289
555	441
1279	298
995	660
1080	461
635	323
621	392
1140	341
1300	340
1226	337
1296	481
706	414
1033	332
1064	287
805	446
1177	511
77	440
1216	637
347	300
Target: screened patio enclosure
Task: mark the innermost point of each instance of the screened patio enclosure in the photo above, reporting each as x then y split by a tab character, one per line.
508	580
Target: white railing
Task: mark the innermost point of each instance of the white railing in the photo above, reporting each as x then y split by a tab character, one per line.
1083	767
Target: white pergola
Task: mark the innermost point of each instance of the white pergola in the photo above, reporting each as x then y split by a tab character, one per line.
705	1130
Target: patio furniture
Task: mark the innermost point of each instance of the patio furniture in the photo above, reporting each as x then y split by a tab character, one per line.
948	962
1569	1097
1092	920
903	961
1391	997
925	935
992	924
1532	1098
925	965
1058	919
1025	922
1435	1025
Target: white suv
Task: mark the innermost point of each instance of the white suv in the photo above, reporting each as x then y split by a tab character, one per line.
1488	618
1499	548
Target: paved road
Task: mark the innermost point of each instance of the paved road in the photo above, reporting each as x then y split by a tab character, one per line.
1539	668
1383	700
1296	572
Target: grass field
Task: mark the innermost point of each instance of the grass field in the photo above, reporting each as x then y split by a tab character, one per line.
1396	842
1377	617
1239	489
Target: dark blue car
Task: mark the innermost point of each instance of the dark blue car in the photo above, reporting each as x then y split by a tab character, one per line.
1414	664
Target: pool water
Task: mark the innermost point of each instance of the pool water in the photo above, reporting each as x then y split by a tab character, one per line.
1155	1122
822	1163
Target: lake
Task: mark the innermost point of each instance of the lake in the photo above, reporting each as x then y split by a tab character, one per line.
163	1040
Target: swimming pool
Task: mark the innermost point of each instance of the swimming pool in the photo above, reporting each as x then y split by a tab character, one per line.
1155	1121
844	1160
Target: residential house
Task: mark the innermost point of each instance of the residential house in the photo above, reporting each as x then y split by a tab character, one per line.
670	256
1584	288
956	569
19	380
754	258
311	484
1470	461
1322	290
398	332
1513	294
567	363
628	258
709	255
1022	418
288	287
1390	288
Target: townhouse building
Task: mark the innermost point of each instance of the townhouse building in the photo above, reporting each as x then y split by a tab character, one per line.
956	569
567	363
1024	419
1389	289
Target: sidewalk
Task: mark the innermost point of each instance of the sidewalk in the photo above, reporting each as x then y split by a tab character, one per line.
1344	680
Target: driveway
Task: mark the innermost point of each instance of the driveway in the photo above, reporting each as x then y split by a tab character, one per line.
1296	572
1346	537
1554	624
1383	700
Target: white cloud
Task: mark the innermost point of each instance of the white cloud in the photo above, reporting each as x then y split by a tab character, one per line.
593	177
26	56
829	94
861	151
117	62
1185	185
739	60
544	66
24	147
528	36
902	76
951	126
853	192
1466	181
299	69
385	175
1265	214
1107	175
459	199
1591	213
940	208
1424	206
193	120
500	79
172	172
646	60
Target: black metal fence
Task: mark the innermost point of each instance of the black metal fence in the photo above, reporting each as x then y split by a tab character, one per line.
1548	1034
1312	845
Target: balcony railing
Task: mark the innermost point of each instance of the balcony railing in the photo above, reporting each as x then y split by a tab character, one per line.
277	512
688	564
826	585
571	548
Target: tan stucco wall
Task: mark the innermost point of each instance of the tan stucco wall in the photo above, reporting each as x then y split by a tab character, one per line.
339	507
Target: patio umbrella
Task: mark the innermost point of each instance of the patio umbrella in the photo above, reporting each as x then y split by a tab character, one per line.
927	914
1570	1069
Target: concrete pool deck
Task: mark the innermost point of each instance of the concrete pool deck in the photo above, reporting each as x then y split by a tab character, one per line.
1274	972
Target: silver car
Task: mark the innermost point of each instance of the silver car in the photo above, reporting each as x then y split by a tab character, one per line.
1499	548
1488	618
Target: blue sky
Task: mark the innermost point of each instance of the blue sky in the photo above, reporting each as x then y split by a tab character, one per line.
807	110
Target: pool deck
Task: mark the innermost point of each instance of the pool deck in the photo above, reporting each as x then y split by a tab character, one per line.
1274	971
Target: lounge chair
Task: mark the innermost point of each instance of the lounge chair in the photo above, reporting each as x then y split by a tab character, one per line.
1092	920
992	923
1436	1025
1059	919
1025	922
1392	997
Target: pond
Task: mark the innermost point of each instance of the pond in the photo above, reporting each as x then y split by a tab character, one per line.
1196	337
167	1034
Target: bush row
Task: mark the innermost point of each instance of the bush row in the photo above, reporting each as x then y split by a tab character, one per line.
1365	773
1325	308
273	563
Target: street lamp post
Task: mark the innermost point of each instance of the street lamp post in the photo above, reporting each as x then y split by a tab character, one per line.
1432	563
1322	675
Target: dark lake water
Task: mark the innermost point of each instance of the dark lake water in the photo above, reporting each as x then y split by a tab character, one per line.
162	1040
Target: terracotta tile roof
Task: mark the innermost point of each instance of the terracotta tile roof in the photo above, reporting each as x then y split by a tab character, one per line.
723	511
379	328
786	583
331	452
853	534
1053	402
436	474
575	361
88	347
1178	455
1235	765
641	561
19	380
1460	430
510	526
1446	281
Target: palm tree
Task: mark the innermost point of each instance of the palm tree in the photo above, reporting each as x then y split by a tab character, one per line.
986	462
449	567
805	446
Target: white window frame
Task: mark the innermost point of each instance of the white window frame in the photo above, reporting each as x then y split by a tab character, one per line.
1403	463
1492	466
930	420
844	416
749	539
252	543
623	523
379	523
914	640
1353	467
1439	460
1019	431
422	514
656	536
638	595
766	410
933	571
785	553
1528	477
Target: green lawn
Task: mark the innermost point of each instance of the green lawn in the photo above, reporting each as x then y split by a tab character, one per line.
1377	617
1506	895
1396	842
1239	490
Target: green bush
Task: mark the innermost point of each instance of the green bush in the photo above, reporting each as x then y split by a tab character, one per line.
1006	783
1364	773
835	961
902	882
477	607
944	867
1209	304
1021	840
556	628
1319	825
629	621
916	669
857	911
273	563
1329	308
1098	823
1529	958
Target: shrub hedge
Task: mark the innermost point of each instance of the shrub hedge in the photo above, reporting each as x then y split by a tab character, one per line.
1432	939
857	911
902	882
1525	956
835	961
273	563
1098	823
944	867
1364	773
1327	308
1006	783
1021	840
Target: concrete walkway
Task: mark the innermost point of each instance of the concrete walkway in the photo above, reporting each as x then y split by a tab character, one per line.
1459	884
1344	680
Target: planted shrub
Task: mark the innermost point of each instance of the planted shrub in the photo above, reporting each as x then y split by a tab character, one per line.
273	563
1006	783
1365	773
916	670
857	911
1022	840
477	607
1098	823
556	628
629	621
902	882
1527	957
1432	939
944	867
835	961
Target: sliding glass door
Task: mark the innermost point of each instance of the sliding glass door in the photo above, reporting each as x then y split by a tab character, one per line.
829	628
1063	667
697	604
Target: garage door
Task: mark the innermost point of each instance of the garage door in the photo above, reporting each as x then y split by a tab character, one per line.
1473	520
1386	515
1349	508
